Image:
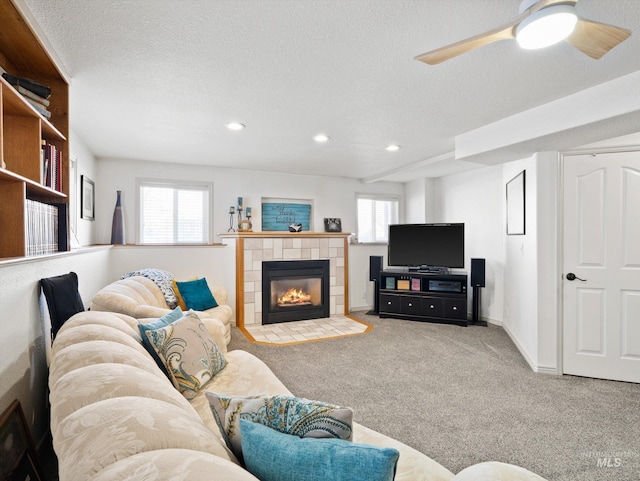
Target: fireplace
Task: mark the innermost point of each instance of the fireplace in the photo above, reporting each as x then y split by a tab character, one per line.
295	290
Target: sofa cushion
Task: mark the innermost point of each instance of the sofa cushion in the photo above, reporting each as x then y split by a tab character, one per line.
274	456
287	414
190	354
197	295
63	299
164	321
104	432
96	382
173	465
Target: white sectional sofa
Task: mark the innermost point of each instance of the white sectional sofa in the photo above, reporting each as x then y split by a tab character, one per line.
116	416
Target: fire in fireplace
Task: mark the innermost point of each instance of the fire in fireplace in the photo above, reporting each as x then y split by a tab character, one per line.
294	290
294	297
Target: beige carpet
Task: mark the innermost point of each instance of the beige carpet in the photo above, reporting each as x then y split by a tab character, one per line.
286	333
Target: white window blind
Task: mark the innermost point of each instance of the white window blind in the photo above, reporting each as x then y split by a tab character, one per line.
374	216
172	213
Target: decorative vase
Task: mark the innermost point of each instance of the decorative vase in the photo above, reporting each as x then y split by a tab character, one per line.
117	225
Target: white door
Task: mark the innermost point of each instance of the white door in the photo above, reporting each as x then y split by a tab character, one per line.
601	305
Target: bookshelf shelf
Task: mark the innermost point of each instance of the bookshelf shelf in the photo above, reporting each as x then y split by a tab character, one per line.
23	132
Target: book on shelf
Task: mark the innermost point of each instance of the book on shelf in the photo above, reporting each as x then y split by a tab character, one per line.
51	166
42	234
28	84
40	108
35	97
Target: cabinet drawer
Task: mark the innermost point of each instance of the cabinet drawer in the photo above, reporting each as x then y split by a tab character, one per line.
432	307
455	308
410	305
390	303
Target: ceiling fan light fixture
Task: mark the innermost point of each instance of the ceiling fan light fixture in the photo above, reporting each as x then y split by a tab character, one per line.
546	27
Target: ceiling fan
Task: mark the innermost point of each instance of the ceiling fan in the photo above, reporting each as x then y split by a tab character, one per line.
555	19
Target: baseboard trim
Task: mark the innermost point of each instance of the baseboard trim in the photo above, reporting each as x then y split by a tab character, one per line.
534	367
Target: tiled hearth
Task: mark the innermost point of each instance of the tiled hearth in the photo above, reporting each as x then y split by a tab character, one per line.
254	247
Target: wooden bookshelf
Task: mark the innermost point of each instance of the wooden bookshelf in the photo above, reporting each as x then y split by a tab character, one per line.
22	130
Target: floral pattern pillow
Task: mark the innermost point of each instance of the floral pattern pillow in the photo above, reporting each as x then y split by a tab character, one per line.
189	353
287	414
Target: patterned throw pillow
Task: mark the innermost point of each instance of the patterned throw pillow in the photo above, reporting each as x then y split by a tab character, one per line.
189	353
163	281
287	414
273	456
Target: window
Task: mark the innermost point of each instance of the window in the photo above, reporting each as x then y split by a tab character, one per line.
375	213
174	213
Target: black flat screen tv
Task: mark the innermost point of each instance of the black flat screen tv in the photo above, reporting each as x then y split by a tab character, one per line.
426	245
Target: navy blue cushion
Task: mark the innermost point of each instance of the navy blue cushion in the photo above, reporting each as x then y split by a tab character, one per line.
197	295
63	299
273	456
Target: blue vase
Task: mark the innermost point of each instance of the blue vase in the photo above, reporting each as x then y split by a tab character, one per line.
117	225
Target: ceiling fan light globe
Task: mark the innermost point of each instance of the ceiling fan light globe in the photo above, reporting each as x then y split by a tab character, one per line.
546	27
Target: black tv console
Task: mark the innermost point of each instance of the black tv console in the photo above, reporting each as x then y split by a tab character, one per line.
420	296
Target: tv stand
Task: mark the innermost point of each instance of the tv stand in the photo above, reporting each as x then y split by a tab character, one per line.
423	296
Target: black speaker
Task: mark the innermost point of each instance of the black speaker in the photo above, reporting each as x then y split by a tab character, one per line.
375	267
477	273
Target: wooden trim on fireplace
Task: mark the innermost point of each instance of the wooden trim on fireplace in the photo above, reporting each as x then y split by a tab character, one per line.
240	283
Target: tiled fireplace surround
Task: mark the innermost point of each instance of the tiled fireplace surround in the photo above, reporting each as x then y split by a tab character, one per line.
254	247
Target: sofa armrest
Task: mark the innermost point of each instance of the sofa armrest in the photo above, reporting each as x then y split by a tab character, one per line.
496	471
220	294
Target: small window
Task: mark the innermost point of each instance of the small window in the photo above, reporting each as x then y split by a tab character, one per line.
375	213
174	213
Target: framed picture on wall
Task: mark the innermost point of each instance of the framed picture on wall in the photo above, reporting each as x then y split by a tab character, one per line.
516	204
87	198
332	225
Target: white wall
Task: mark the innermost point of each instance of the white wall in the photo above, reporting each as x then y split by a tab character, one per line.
477	199
86	166
332	196
520	268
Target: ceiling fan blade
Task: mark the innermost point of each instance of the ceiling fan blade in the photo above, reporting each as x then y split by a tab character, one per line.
595	39
445	53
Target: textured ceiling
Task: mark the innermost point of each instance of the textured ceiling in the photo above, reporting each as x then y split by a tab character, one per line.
159	79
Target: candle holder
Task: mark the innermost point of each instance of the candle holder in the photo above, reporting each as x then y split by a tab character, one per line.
239	217
232	211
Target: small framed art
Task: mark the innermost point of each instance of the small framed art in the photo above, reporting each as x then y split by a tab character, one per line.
332	225
87	198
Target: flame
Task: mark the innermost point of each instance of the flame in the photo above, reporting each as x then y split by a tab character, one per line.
294	296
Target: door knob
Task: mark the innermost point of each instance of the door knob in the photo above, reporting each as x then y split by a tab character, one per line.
572	277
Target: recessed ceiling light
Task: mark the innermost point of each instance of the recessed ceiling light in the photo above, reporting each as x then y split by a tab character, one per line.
392	147
235	126
321	138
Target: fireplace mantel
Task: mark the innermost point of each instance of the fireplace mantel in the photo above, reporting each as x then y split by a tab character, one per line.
254	247
284	234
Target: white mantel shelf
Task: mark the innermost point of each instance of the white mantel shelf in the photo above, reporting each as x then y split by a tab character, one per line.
254	247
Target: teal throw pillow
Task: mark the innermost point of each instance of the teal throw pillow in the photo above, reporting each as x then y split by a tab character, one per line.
162	322
197	295
288	414
190	354
273	456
